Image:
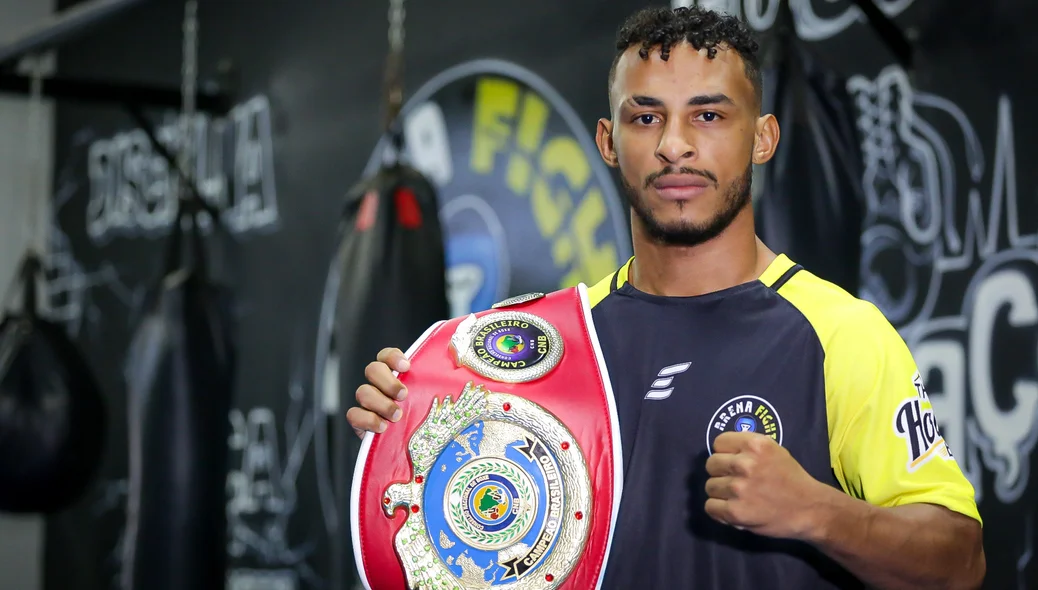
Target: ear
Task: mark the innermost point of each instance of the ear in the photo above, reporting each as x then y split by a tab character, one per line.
766	139
604	139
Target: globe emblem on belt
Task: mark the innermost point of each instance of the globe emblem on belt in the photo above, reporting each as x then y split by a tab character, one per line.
490	503
509	345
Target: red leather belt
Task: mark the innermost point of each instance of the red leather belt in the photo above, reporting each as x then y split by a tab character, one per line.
505	469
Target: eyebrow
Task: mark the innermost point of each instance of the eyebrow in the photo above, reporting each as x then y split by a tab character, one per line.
695	101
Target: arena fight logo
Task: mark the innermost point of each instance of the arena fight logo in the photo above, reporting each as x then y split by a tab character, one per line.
744	413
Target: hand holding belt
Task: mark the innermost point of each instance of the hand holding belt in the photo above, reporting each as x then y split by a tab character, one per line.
504	470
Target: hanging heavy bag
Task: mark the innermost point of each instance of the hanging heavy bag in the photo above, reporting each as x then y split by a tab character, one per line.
393	288
812	199
53	423
180	377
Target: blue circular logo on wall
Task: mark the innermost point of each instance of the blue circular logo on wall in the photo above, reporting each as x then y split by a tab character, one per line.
526	202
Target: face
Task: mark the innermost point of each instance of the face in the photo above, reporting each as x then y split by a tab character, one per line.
684	134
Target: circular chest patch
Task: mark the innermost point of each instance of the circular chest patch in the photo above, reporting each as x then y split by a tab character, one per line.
745	413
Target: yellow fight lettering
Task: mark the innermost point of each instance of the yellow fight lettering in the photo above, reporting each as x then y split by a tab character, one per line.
530	133
496	103
548	213
542	345
562	156
506	120
768	420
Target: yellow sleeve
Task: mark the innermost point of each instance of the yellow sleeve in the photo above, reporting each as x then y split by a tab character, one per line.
885	443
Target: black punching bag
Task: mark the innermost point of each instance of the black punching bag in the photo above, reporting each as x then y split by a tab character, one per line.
53	424
180	376
393	287
811	202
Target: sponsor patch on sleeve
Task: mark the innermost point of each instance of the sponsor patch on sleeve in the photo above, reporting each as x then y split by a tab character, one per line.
914	421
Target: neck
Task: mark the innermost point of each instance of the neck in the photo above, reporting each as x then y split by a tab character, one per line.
734	257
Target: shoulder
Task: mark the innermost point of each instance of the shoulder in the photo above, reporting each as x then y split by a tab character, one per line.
843	322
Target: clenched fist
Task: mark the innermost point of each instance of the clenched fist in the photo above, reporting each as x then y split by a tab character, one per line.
756	485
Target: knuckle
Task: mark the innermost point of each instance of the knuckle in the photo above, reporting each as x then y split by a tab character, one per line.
734	514
745	466
738	488
357	417
369	397
759	444
360	394
371	369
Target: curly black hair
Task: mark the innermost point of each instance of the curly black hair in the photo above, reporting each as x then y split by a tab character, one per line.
662	28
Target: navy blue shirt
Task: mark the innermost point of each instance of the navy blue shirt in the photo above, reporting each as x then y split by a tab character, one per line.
683	370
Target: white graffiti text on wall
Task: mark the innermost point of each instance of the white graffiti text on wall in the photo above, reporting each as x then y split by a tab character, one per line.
134	193
949	259
261	489
815	20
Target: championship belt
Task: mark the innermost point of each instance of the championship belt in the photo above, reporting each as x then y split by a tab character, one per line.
505	469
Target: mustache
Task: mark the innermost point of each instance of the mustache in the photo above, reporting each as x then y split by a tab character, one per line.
650	179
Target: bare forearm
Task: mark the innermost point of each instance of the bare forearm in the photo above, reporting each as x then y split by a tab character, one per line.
913	546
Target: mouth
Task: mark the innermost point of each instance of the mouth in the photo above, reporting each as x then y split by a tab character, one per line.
681	187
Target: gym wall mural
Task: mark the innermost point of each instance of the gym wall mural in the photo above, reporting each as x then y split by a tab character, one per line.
500	119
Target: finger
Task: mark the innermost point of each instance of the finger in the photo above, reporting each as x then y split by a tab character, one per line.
380	375
721	488
365	421
719	464
718	510
375	401
732	442
395	359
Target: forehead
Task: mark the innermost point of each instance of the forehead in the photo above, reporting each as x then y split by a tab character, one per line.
685	73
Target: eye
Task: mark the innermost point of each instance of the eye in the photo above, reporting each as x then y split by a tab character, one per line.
646	119
709	117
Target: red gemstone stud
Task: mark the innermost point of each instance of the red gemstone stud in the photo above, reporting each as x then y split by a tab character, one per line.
415	508
507	407
564	445
549	578
419	479
578	515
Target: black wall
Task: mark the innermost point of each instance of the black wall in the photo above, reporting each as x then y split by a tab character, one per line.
307	85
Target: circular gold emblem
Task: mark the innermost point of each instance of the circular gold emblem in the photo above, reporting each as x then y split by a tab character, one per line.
508	346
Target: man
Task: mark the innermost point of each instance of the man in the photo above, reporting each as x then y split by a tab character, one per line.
798	449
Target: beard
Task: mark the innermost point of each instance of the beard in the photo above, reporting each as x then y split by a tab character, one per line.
736	197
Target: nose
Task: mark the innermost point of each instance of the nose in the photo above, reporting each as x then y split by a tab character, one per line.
674	145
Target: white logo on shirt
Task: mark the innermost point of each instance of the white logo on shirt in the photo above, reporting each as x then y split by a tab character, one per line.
918	426
660	388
